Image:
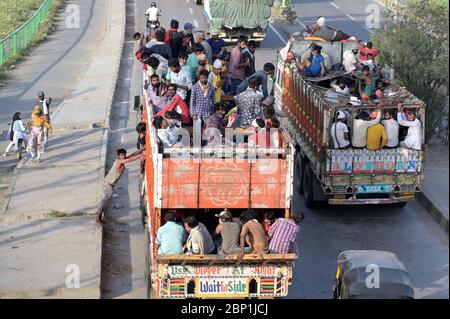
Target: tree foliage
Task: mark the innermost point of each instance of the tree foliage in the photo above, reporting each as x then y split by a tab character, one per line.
417	47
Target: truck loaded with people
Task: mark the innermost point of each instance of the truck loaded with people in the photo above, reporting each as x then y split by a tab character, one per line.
217	173
232	18
358	134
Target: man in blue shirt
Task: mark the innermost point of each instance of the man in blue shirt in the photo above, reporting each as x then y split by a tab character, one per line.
216	44
170	237
317	64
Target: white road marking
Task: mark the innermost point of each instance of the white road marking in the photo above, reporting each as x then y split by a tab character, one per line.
380	3
301	23
368	29
191	11
335	5
350	17
187	1
277	33
195	23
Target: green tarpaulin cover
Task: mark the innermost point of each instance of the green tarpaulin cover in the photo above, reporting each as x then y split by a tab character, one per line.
240	13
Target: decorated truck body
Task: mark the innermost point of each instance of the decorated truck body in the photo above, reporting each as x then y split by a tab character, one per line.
238	17
203	181
342	176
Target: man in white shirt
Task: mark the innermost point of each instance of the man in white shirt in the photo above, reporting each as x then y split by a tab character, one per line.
340	87
392	128
153	12
180	77
360	125
339	132
350	62
414	138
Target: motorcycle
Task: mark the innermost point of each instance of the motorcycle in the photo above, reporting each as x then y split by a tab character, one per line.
151	24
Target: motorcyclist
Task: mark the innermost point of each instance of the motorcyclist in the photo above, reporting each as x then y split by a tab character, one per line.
152	14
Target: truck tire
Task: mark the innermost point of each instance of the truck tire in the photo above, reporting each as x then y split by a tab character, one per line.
308	187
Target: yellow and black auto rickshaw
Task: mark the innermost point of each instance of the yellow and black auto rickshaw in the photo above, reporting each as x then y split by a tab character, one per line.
371	274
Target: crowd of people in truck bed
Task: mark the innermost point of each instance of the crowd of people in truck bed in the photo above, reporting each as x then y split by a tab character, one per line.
361	85
195	83
243	235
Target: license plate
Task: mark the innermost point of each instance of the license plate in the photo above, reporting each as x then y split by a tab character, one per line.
367	189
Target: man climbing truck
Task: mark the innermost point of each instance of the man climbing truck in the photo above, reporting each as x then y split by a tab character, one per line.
201	182
238	17
336	160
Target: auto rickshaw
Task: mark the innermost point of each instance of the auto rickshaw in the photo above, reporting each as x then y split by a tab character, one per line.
371	274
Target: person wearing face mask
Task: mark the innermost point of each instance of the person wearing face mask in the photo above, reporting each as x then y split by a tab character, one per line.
176	103
203	98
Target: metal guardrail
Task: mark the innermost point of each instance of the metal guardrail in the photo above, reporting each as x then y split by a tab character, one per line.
21	38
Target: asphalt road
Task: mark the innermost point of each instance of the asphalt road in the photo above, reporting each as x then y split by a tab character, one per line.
54	66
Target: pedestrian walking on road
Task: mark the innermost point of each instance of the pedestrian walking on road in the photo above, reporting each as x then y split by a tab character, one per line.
45	107
39	125
113	177
16	132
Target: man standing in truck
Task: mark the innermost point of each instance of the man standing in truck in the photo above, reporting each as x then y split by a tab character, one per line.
238	64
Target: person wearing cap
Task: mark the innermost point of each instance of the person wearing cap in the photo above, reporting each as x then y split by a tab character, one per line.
409	119
216	80
216	43
392	129
321	30
248	105
188	29
200	38
340	133
171	236
263	78
360	125
229	231
350	61
376	134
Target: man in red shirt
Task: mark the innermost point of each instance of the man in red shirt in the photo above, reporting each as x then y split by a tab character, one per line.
364	50
176	104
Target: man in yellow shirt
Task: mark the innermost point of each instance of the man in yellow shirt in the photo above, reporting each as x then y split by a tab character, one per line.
376	135
215	80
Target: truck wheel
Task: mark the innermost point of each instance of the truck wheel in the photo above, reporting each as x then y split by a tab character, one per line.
308	191
399	205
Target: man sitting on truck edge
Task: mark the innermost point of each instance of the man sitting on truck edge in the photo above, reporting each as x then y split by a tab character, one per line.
360	125
409	119
283	232
199	241
175	103
392	129
253	233
229	230
376	135
171	236
113	177
340	133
